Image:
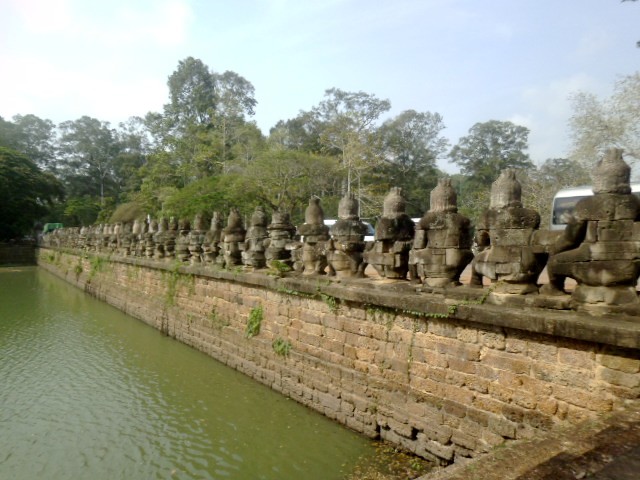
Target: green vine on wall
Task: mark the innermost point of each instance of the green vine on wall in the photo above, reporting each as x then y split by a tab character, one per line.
98	264
254	322
278	268
332	302
281	346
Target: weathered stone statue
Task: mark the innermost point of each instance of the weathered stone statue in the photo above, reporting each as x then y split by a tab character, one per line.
170	236
504	237
114	237
344	249
196	239
314	234
136	238
211	243
232	238
442	244
159	238
182	240
281	232
125	240
393	238
600	247
149	239
253	252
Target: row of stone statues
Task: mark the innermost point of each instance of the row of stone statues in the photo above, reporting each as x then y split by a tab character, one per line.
600	248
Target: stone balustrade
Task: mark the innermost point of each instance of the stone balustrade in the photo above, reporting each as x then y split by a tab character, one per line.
600	248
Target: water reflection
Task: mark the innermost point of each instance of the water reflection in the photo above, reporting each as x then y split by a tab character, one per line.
88	392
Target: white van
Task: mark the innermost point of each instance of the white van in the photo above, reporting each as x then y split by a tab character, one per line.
564	203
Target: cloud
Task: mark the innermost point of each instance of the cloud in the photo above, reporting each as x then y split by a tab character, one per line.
43	16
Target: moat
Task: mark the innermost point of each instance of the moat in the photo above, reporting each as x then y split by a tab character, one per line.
88	392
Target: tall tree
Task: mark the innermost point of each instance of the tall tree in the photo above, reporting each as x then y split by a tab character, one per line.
412	143
612	122
89	148
26	191
346	122
491	147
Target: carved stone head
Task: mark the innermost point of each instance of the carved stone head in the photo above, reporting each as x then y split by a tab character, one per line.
612	173
314	215
259	217
394	203
506	190
443	197
348	207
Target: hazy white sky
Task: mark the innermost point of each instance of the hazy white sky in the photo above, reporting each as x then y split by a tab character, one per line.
469	60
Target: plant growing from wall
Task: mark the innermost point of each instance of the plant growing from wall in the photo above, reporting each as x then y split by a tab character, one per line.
332	302
216	320
254	322
98	264
279	268
281	346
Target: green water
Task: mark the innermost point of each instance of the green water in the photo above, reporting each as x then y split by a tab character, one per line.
87	392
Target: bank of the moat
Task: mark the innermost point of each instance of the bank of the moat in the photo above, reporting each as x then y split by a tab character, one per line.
446	377
90	393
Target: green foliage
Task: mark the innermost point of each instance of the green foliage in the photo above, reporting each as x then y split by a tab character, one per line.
281	346
254	322
331	302
597	123
279	268
98	264
489	148
127	212
27	193
204	195
412	142
79	211
172	278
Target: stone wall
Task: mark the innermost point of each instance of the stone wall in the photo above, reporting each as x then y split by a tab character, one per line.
17	254
444	377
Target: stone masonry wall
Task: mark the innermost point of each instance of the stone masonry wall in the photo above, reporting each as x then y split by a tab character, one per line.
444	378
17	254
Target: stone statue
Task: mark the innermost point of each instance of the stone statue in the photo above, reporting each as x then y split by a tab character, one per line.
504	237
442	244
196	239
148	238
159	238
253	252
281	232
344	249
600	247
182	240
170	239
232	239
125	241
393	238
211	243
314	234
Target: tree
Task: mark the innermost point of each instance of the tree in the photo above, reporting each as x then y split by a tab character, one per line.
90	148
491	147
613	122
26	192
32	136
346	122
412	142
286	179
539	185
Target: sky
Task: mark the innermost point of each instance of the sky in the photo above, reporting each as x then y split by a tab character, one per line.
468	60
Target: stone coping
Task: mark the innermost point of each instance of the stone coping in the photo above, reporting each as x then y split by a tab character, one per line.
464	304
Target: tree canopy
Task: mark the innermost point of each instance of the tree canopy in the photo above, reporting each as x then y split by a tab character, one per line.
26	193
203	152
